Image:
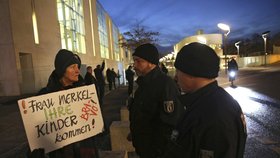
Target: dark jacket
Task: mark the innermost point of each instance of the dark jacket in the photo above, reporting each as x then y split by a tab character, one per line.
154	112
129	74
98	72
114	75
164	69
90	79
232	65
72	150
109	75
213	126
54	84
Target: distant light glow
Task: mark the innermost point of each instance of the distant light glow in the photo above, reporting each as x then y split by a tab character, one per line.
232	73
35	28
243	97
224	27
34	22
201	39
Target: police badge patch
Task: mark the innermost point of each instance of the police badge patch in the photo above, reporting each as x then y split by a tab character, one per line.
168	106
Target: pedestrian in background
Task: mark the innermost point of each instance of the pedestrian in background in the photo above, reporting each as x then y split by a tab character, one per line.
66	76
114	76
232	65
109	77
155	109
129	75
98	72
90	79
214	125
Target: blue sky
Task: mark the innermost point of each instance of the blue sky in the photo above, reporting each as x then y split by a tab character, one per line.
176	19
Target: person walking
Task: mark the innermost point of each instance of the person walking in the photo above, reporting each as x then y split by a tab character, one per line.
98	72
155	109
90	79
232	65
232	71
114	76
129	75
214	125
109	77
66	76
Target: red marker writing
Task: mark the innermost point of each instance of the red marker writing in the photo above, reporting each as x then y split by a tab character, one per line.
23	106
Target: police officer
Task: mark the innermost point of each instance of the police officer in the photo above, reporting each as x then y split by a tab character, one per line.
213	125
155	109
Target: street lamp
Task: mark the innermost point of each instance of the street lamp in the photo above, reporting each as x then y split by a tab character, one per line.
237	46
264	36
226	28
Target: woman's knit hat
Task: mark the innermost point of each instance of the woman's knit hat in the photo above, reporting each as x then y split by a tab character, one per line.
63	59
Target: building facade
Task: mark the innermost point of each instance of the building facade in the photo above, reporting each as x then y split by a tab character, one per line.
212	40
32	32
215	41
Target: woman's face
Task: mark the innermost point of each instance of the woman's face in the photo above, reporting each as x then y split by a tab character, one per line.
184	81
71	75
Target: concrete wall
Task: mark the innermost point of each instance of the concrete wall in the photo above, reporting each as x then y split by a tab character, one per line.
8	68
258	60
276	49
49	40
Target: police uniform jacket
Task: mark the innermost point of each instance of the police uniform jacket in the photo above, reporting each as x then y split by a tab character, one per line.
154	112
213	126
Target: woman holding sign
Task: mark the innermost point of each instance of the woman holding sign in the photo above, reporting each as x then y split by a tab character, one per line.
65	76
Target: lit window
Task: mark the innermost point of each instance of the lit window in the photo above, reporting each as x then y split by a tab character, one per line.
116	42
34	22
102	31
71	22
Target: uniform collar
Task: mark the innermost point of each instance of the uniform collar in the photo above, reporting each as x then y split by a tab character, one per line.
189	99
144	80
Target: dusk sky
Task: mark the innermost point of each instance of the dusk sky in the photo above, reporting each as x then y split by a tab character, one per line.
177	19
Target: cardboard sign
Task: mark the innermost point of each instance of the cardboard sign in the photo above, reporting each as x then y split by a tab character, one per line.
57	119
